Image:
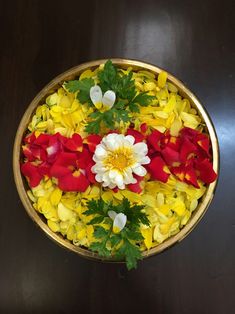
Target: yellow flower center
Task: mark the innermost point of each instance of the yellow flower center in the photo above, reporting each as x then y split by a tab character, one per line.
120	159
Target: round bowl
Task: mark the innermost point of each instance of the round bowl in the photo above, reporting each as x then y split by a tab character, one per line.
21	183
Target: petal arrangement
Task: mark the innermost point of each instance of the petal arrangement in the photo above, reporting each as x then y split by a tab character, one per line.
117	161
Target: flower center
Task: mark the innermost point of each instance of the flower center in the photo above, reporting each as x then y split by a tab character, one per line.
120	159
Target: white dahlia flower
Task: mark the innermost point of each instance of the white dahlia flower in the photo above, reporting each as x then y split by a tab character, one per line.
117	158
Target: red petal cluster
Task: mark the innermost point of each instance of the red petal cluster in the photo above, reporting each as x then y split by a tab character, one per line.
67	159
187	156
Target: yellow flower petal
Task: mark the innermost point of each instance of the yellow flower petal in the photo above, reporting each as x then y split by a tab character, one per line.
54	226
56	196
162	77
148	237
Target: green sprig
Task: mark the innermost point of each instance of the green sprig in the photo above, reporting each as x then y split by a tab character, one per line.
125	244
128	100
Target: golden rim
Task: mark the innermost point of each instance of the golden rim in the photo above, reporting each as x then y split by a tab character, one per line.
70	74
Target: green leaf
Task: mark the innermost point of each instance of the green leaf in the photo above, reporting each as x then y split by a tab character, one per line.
133	234
82	87
120	104
108	77
95	207
96	220
134	107
100	232
108	119
142	99
115	239
72	86
93	127
130	252
123	245
134	213
121	115
100	248
126	87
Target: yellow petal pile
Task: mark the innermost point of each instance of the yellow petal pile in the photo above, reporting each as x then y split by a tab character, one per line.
168	206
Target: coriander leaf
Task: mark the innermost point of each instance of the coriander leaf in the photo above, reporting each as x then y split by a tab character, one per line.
133	234
108	77
120	104
115	239
101	248
109	119
130	252
96	114
71	86
93	127
120	115
134	213
103	236
82	87
96	220
95	207
100	232
142	99
126	87
134	107
122	245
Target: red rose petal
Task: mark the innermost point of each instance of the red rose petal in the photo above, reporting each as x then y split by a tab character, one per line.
58	171
165	139
189	133
29	139
92	141
204	143
187	148
31	172
84	158
90	175
74	144
155	168
206	171
28	153
135	187
174	143
154	140
66	159
136	134
73	183
44	169
65	164
38	152
42	140
144	128
53	150
179	172
191	177
170	156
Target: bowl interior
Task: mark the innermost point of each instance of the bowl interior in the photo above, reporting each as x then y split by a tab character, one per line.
22	186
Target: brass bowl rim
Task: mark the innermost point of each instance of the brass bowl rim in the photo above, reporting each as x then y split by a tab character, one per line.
72	72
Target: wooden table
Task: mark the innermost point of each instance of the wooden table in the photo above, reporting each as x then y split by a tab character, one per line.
192	39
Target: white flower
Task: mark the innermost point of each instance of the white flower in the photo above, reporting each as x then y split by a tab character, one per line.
117	158
107	100
119	220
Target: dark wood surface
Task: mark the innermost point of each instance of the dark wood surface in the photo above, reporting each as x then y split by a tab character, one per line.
192	39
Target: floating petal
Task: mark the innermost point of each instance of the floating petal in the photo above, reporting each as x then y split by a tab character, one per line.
96	94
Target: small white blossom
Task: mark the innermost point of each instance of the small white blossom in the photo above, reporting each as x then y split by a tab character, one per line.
107	100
